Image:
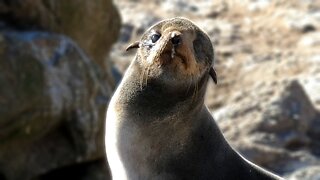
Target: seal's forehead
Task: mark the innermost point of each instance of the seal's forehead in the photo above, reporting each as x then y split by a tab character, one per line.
178	23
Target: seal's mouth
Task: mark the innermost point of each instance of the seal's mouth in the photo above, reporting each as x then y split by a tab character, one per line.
171	56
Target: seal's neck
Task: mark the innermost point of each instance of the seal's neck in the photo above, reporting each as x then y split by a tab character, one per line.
157	99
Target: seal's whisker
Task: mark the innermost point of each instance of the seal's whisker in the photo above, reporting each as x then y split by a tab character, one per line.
194	89
173	52
189	86
147	75
141	79
197	90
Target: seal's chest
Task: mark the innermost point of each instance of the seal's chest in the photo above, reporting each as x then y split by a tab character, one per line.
153	140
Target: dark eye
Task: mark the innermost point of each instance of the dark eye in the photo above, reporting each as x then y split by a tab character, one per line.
155	37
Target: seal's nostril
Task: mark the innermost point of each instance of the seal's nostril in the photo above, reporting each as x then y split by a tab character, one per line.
176	40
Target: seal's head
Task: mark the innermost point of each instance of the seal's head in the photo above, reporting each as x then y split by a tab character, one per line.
175	50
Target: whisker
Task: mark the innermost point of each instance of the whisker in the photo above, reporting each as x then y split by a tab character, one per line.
142	78
189	86
147	75
195	90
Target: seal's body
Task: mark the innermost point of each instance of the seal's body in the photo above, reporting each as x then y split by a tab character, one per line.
157	125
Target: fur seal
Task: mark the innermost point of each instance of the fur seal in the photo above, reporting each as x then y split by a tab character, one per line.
157	125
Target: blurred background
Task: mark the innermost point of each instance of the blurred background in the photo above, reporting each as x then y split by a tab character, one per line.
60	62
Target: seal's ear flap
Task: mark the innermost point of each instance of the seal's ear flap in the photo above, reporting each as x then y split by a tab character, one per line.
213	74
133	45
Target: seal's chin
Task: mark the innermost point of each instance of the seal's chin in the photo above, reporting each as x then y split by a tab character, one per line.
176	70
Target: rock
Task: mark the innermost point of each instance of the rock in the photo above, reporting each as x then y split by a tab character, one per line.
220	31
96	170
53	100
270	122
212	10
288	109
140	23
312	85
306	173
126	33
183	6
302	21
310	40
116	74
94	25
53	94
258	5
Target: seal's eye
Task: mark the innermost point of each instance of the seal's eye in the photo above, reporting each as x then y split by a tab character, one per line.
155	37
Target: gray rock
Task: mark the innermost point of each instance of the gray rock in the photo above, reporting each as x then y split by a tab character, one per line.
126	33
255	6
288	109
53	100
271	123
302	21
307	173
96	170
312	85
310	40
93	25
221	30
183	6
98	20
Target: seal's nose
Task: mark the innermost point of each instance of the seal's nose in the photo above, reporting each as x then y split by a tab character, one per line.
175	39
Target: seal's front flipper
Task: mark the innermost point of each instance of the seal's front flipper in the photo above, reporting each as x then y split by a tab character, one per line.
213	74
133	45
